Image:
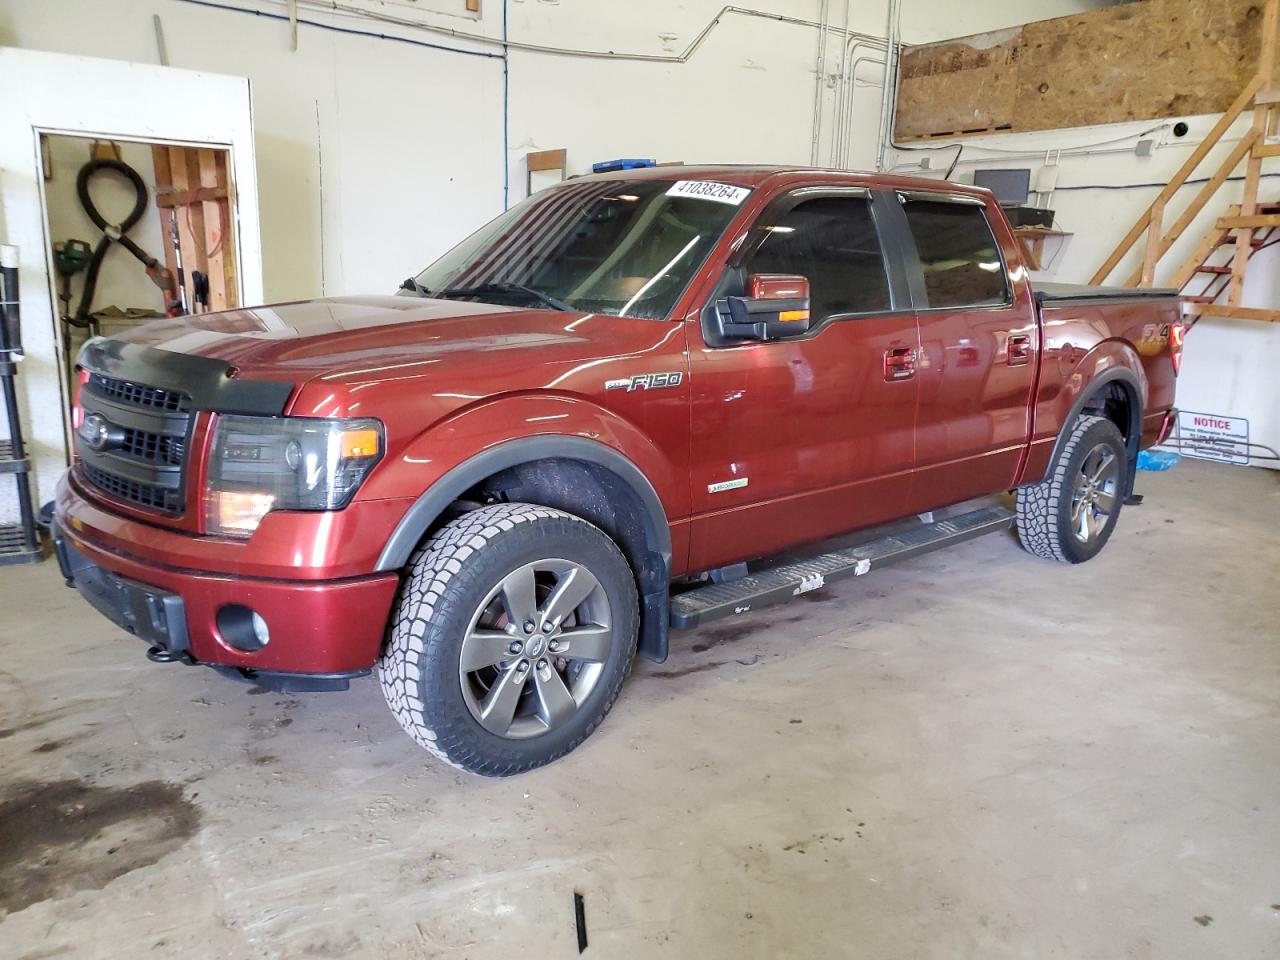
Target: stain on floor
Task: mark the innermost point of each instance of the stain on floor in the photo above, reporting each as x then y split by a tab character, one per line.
67	835
739	629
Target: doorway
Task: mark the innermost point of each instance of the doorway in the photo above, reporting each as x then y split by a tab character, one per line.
136	230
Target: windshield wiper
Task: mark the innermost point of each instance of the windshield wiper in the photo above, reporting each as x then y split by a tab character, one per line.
412	284
487	289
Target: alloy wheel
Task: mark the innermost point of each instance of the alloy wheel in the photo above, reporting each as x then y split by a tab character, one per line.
1093	495
535	648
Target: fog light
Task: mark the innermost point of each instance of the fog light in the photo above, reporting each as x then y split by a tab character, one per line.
242	628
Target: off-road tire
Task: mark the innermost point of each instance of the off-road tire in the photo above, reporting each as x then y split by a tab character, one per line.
445	580
1044	509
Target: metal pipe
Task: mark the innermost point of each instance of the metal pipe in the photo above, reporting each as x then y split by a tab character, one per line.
343	9
819	81
844	160
853	42
889	95
838	110
837	155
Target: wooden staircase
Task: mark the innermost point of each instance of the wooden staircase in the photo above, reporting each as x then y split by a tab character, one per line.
1212	277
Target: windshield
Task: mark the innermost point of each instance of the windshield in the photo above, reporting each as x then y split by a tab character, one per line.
622	247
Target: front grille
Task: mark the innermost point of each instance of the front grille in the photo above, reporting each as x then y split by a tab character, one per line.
143	494
154	447
138	395
147	429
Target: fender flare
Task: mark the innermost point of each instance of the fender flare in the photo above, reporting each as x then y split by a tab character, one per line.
1133	385
437	498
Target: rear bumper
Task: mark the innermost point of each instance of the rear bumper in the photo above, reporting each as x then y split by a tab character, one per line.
326	630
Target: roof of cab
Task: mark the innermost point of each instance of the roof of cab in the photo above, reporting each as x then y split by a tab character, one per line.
757	175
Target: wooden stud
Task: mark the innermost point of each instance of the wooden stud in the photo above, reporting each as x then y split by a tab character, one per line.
1238	313
1151	257
182	182
1253	171
1258	221
164	186
214	215
196	255
230	282
175	198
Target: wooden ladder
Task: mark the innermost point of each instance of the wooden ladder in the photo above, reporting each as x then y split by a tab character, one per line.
1244	229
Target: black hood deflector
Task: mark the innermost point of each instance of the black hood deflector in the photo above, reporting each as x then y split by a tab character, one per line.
208	382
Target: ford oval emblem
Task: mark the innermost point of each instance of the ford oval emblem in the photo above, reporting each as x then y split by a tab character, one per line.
96	432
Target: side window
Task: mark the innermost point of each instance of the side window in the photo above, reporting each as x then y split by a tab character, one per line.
958	252
833	242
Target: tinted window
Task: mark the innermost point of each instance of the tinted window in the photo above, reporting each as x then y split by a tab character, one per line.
625	247
962	266
833	242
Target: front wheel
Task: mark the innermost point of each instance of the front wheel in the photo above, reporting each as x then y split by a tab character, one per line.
513	634
1069	516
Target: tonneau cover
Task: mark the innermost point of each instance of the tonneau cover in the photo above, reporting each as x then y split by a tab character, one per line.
1056	293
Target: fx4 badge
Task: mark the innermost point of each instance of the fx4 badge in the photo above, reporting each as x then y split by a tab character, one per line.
646	381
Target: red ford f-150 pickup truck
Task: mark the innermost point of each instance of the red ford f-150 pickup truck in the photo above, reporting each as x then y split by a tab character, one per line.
575	429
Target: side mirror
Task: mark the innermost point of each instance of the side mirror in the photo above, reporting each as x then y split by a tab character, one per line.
776	306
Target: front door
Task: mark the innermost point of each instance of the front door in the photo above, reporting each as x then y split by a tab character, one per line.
795	439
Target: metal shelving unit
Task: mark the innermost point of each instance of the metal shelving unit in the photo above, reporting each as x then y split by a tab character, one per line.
19	542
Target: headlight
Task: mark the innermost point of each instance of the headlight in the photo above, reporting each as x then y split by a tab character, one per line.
260	464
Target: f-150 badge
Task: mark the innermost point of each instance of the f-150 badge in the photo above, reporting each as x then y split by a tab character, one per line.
646	381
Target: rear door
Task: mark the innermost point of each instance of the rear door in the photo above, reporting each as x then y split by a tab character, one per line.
801	438
979	346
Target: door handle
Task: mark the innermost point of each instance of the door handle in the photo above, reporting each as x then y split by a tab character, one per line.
899	363
1019	350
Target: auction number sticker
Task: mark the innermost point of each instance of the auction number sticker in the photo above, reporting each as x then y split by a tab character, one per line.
709	190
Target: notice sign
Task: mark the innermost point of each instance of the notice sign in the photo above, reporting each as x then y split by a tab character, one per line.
1211	436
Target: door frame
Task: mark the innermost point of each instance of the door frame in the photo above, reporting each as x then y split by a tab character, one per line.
63	94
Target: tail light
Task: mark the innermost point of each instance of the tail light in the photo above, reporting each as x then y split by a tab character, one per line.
1177	334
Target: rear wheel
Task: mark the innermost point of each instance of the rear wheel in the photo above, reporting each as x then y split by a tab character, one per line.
513	634
1070	515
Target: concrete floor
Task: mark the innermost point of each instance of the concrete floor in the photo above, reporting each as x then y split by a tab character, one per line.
977	754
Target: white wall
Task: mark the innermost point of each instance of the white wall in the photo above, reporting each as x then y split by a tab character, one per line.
407	140
1229	364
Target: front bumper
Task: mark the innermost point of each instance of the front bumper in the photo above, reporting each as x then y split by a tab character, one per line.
321	632
157	617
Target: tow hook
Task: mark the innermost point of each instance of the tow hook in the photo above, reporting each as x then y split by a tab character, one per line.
159	654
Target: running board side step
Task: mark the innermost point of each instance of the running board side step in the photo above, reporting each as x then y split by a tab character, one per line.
716	600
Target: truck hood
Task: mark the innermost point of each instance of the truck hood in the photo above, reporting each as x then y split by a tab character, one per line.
303	339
